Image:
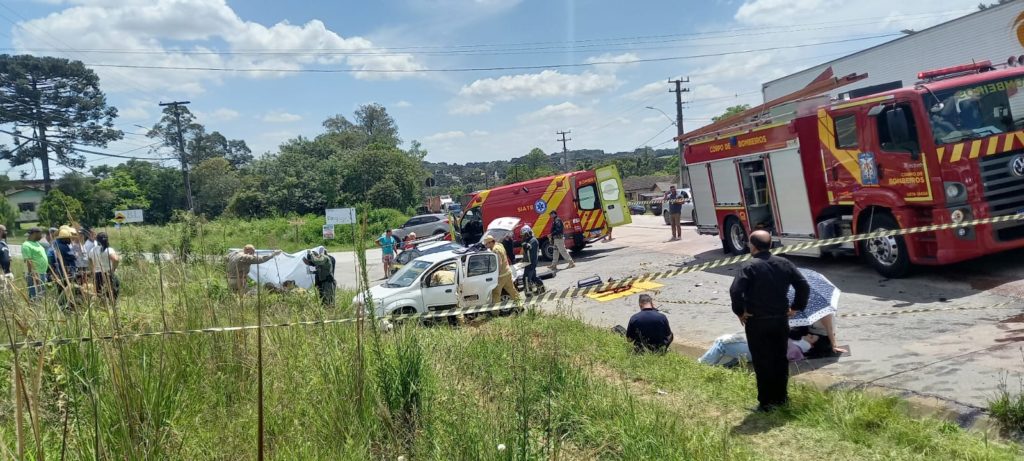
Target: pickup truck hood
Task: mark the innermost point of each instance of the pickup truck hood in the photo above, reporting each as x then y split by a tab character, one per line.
381	295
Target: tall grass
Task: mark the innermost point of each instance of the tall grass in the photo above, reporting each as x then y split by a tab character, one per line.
511	388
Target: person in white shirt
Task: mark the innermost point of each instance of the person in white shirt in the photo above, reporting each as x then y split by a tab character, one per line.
103	261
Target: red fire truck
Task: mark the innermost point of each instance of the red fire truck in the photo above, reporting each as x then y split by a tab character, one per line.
589	202
948	149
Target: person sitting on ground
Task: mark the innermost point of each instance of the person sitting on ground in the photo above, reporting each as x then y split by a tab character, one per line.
239	263
648	329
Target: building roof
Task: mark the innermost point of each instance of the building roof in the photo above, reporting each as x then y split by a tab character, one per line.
888	43
664	185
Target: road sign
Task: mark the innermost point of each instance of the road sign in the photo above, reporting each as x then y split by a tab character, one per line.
341	215
328	231
127	216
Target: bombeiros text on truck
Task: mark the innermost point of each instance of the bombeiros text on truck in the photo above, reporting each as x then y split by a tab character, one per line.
947	150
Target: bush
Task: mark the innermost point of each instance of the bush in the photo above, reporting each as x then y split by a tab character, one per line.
1008	408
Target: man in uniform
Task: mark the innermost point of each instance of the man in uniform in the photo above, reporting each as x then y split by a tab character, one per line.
558	239
759	299
531	255
323	266
505	282
239	263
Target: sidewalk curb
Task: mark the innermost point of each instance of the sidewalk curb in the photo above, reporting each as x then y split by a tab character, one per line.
918	405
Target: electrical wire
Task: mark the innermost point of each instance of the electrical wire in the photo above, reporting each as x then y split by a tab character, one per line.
494	68
88	151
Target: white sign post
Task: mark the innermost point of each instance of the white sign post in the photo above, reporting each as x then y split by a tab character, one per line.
127	216
341	215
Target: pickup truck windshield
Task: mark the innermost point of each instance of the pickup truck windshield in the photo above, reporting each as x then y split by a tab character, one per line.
977	110
407	274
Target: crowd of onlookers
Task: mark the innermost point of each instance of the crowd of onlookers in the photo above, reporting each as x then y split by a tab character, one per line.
65	259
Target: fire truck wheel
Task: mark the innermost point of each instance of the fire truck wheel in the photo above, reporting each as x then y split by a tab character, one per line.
547	250
888	255
735	237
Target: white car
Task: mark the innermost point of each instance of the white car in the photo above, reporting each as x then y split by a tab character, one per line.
437	281
688	210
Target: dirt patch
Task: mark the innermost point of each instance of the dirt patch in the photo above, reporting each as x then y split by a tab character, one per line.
1019	318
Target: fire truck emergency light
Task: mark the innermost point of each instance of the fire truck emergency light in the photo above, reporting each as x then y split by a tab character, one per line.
977	66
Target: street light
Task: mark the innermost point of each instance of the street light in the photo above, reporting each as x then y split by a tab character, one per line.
674	123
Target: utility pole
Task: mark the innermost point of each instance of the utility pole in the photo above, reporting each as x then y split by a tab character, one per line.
181	151
684	173
565	151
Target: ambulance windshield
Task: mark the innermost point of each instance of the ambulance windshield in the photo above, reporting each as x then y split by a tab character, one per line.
976	111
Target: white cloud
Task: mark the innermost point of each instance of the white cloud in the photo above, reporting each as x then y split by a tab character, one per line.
647	90
546	84
619	61
280	117
402	103
445	136
887	14
555	112
219	115
479	133
189	33
469	108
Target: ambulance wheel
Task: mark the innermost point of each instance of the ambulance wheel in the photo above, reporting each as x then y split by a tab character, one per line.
547	250
888	255
735	241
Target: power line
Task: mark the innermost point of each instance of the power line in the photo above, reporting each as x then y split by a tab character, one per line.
483	69
86	151
538	45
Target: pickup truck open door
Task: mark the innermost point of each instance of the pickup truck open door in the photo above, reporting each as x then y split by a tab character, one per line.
477	277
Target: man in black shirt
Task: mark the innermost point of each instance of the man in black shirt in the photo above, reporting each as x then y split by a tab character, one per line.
759	300
648	329
558	240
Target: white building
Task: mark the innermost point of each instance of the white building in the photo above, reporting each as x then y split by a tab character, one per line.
993	34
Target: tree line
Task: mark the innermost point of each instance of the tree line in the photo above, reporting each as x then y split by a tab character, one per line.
55	112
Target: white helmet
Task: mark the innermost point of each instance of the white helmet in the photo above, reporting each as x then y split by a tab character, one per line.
526	230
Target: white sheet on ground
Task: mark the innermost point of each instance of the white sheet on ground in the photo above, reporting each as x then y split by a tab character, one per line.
282	268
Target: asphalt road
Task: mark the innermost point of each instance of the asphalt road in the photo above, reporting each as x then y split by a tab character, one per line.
961	356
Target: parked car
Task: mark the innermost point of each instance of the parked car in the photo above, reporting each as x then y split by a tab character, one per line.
688	210
424	226
656	208
637	209
438	281
429	248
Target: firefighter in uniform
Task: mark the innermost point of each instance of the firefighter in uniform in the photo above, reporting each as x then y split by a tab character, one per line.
505	282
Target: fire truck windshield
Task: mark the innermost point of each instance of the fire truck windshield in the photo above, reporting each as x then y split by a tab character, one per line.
975	111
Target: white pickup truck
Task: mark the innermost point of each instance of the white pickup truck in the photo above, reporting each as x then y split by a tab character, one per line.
438	281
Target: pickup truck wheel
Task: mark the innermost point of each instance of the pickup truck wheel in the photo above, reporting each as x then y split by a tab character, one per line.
888	255
735	237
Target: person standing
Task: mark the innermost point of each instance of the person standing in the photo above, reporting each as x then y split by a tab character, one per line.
323	266
759	300
34	254
530	256
648	329
388	245
5	252
239	263
103	261
675	210
558	239
505	282
62	257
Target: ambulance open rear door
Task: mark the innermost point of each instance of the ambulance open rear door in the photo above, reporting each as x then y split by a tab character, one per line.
613	196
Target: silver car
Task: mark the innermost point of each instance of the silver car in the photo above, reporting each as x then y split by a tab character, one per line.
688	210
424	226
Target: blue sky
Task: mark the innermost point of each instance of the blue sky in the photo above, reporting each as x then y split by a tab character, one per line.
458	116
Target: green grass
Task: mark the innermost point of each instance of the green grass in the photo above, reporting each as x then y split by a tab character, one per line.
1008	408
217	236
540	386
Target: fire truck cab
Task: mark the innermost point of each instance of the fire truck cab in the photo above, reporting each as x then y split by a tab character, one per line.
947	150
